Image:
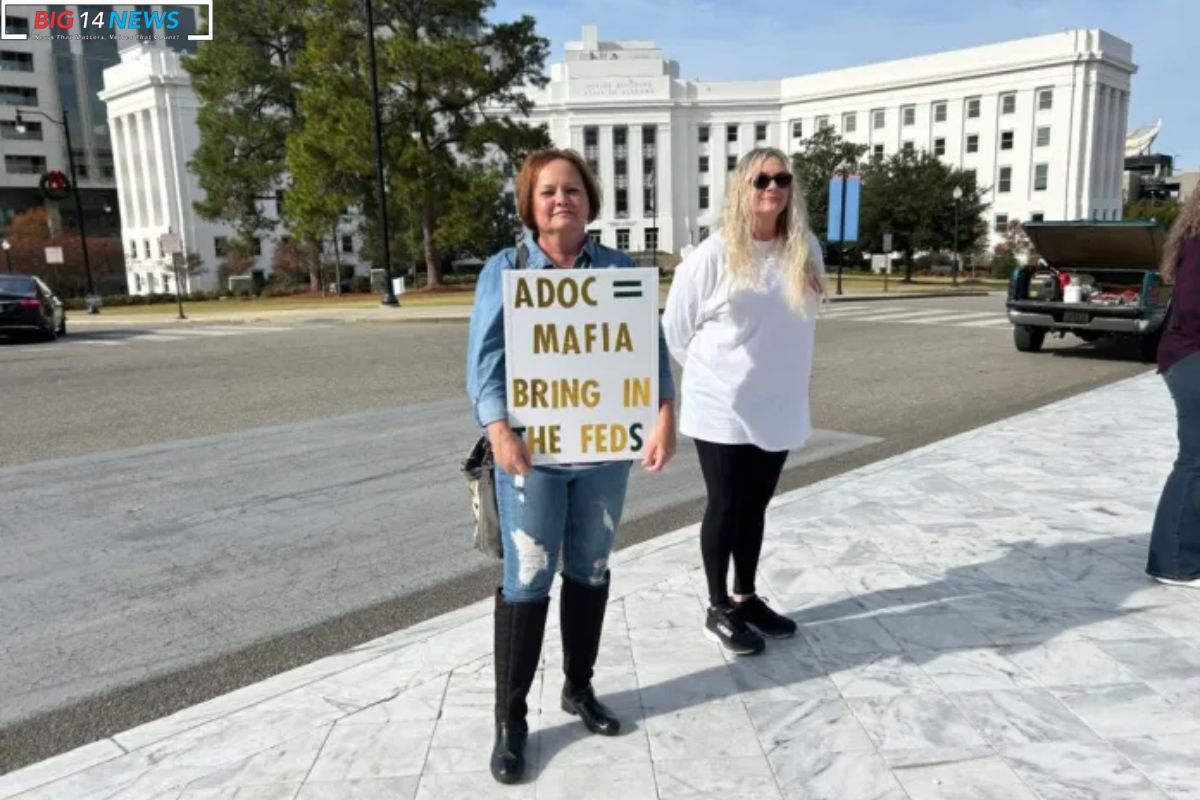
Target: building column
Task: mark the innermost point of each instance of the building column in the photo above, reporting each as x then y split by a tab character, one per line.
607	176
133	173
150	157
167	215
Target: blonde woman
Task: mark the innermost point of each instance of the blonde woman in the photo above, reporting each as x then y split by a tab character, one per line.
1175	539
741	318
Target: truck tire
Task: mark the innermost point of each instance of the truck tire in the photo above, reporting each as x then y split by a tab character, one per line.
1027	339
1148	347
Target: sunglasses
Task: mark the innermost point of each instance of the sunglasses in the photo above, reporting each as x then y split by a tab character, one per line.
782	179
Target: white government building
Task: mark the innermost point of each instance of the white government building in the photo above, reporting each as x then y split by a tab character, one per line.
1042	121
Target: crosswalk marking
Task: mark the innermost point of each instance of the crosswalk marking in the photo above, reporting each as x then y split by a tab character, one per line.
909	315
177	334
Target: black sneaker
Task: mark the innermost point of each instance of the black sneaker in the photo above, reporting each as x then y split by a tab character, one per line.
725	628
758	615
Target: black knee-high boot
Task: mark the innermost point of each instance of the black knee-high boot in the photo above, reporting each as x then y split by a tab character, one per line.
518	632
582	620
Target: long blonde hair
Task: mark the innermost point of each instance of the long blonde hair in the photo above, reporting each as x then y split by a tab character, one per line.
1187	225
737	229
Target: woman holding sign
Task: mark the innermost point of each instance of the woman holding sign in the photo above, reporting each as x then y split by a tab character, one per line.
544	510
741	318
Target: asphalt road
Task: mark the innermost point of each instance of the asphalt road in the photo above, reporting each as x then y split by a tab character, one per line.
190	509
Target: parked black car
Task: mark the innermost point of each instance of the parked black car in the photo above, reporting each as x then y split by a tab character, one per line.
27	306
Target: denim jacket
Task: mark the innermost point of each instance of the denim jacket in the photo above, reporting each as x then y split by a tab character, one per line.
485	340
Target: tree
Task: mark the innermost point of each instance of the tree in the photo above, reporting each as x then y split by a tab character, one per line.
245	80
1165	211
819	159
910	195
28	233
443	70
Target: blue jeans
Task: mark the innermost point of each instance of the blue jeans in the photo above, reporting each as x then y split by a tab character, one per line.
1175	540
575	510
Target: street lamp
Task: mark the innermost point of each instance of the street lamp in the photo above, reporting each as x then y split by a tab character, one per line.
6	245
957	194
389	293
93	307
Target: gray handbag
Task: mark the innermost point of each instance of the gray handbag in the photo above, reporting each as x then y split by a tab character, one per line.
478	470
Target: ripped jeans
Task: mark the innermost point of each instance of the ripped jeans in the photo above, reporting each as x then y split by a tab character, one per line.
575	509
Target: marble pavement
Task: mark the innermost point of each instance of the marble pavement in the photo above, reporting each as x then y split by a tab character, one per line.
975	624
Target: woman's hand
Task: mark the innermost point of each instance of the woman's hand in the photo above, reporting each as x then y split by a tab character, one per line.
508	449
661	444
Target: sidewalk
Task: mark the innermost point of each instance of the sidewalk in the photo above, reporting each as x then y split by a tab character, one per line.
975	625
233	312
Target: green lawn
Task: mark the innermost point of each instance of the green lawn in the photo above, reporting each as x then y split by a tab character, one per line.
454	297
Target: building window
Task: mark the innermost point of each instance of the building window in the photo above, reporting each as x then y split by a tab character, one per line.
704	163
347	244
648	166
939	147
703	134
908	115
623	238
649	135
822	122
161	253
594	235
1004	185
8	130
12	61
1043	136
146	248
1006	140
133	248
969	176
81	170
256	246
1008	103
1045	99
106	171
1001	223
24	165
797	130
591	148
279	201
620	166
220	246
648	199
973	143
166	283
651	239
849	123
760	132
878	118
703	232
731	163
622	201
908	147
137	280
1041	176
972	108
18	96
620	136
703	197
939	112
877	151
731	133
16	24
1036	216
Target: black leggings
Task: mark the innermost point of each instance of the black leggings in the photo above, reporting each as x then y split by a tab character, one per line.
741	479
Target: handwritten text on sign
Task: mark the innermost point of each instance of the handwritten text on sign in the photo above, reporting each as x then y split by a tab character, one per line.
581	357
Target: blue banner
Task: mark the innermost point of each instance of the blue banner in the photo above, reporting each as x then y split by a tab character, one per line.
834	229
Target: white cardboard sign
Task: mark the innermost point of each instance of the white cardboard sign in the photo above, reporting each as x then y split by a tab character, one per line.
581	361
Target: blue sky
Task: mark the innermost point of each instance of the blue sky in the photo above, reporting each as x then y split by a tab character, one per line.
748	39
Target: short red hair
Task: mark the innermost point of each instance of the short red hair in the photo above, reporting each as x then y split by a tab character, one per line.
535	162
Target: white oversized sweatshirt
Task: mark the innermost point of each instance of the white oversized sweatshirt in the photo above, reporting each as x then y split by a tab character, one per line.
746	355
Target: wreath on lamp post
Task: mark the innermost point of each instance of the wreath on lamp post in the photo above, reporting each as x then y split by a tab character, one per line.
54	185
